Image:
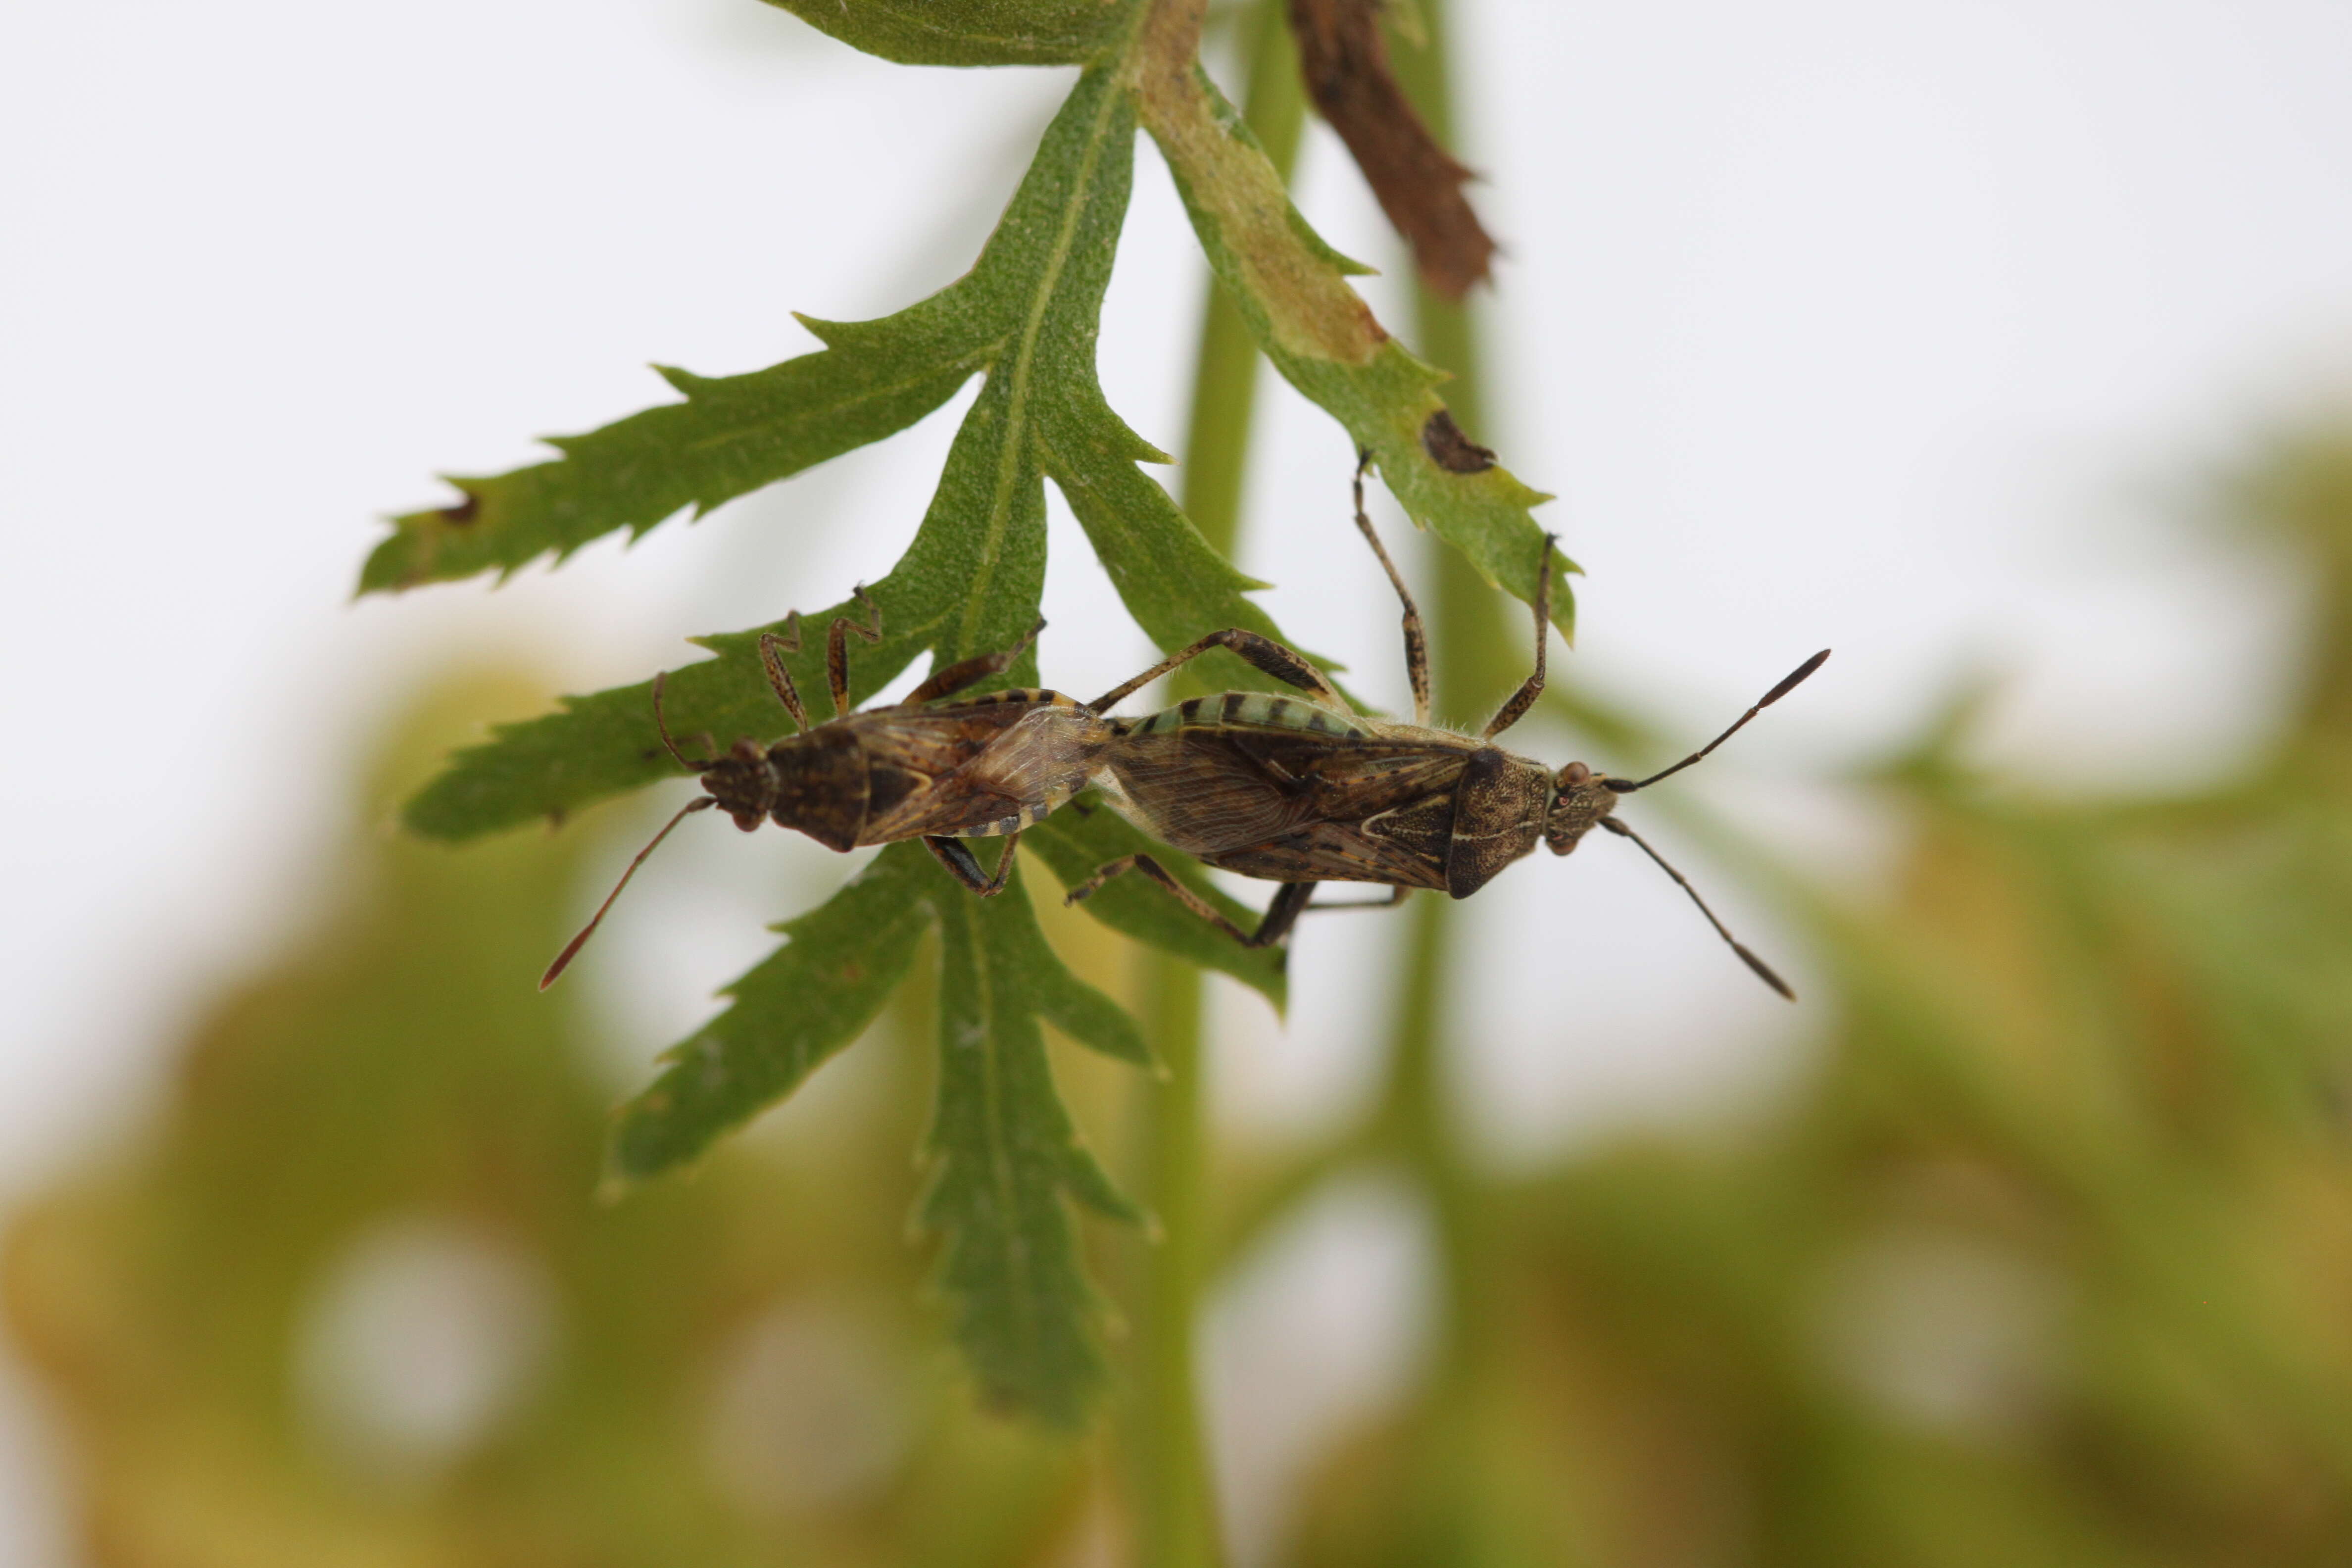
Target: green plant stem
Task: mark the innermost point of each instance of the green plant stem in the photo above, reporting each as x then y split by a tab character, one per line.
1176	1505
1452	1516
1175	1496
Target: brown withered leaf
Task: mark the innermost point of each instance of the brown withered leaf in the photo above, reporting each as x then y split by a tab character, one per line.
1346	64
1449	449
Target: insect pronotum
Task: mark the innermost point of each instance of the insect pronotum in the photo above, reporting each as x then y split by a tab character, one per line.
1304	792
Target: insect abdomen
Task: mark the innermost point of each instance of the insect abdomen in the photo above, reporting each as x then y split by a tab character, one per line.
1259	709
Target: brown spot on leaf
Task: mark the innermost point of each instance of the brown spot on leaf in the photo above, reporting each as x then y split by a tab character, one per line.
1442	439
1345	62
465	512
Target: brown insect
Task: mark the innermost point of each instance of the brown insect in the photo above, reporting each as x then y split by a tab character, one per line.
941	771
1305	793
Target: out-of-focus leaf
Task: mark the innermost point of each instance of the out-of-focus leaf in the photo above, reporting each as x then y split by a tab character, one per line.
385	1129
1345	62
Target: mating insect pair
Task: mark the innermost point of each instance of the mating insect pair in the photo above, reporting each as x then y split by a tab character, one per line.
933	766
1296	792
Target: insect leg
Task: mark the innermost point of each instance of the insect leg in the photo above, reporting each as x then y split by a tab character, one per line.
1270	931
1416	642
1396	895
1264	652
1530	689
837	647
1763	970
956	677
964	865
1290	901
780	678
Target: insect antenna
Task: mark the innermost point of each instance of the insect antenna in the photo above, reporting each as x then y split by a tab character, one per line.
1627	786
689	763
571	949
1763	970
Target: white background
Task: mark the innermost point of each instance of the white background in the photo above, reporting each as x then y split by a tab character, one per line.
1911	330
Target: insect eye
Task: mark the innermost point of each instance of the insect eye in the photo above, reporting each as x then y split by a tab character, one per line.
1574	775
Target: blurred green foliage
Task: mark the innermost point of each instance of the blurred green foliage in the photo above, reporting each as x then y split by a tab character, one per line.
374	1177
2048	1261
2051	1262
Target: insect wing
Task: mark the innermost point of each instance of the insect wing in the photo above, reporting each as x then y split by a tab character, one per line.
1039	763
1292	803
1337	852
1357	782
962	768
1196	790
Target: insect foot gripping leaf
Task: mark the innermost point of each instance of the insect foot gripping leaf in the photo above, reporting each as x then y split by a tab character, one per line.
1003	1158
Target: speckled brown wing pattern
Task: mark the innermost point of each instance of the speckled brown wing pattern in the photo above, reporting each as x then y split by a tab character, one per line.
1347	852
919	764
1295	805
1196	791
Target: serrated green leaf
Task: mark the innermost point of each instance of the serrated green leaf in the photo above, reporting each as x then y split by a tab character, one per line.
1003	1155
1076	841
966	32
1006	1163
790	1014
1003	1158
731	436
972	580
1025	313
1178	588
1292	291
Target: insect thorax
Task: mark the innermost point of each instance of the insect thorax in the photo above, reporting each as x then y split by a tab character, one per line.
1499	812
820	785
